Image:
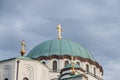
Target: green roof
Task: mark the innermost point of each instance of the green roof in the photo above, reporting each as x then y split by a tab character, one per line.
74	77
60	47
70	65
23	58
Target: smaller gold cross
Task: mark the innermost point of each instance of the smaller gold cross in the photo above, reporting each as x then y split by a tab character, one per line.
22	51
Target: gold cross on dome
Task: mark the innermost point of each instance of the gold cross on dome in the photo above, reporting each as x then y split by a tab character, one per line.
59	31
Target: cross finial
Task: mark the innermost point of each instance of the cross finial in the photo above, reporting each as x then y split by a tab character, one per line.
73	65
22	51
59	31
72	59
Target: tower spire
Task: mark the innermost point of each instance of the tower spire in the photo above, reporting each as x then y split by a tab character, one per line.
59	31
22	51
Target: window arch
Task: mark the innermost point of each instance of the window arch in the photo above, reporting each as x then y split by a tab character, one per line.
66	63
54	66
7	70
6	79
29	71
25	78
87	68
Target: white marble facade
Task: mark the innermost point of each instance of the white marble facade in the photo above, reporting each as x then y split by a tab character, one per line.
28	69
21	69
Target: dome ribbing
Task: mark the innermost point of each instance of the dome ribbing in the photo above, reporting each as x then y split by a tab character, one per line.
60	47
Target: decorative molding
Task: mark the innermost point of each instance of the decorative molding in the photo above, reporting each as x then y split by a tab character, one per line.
7	71
28	71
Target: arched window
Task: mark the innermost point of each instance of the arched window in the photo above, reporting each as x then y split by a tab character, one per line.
78	63
25	78
66	63
43	62
94	71
6	79
87	68
54	66
7	70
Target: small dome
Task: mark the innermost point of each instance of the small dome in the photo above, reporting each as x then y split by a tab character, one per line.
60	47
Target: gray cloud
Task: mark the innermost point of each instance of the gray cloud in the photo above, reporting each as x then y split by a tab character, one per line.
110	67
92	23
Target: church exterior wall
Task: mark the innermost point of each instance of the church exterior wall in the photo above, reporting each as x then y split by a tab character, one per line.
7	69
18	69
33	70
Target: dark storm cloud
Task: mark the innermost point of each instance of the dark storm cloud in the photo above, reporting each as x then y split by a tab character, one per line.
93	23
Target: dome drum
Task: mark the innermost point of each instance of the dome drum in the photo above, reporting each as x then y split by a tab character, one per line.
69	57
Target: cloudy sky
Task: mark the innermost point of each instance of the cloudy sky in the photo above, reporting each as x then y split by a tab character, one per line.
93	23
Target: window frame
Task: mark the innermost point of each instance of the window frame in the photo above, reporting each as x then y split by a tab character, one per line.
78	63
66	63
54	66
87	68
94	69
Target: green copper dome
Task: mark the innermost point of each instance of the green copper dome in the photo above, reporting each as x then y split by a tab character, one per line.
60	47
